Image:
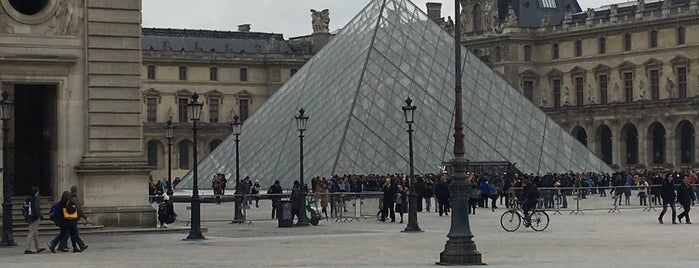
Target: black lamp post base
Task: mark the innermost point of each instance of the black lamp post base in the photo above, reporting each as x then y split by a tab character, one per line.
195	236
412	229
460	252
238	214
303	222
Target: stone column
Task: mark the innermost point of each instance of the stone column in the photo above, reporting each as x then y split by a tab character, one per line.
113	172
643	149
670	149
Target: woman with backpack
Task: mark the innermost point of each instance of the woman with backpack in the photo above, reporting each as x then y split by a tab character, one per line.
68	222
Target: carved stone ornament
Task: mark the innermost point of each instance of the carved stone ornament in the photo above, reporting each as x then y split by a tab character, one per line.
590	14
68	18
320	20
511	19
545	21
640	6
567	18
614	9
449	26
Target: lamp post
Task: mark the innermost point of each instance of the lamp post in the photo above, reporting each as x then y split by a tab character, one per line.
236	127
301	125
6	114
460	248
194	109
169	134
409	111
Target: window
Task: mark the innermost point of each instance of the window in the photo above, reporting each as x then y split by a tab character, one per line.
603	86
627	42
153	153
243	74
213	74
653	38
183	73
151	109
529	89
498	54
293	72
655	84
184	116
151	72
213	110
477	18
578	48
527	53
557	93
579	91
548	3
682	82
184	154
243	104
556	53
680	35
628	86
602	45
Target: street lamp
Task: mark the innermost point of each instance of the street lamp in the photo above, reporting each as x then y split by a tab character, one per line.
301	125
409	111
6	108
169	134
236	127
194	109
460	248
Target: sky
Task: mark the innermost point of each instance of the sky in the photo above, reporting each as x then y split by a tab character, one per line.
289	17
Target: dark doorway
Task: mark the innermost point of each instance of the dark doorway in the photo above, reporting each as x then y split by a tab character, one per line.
631	145
686	137
658	141
34	137
605	138
580	135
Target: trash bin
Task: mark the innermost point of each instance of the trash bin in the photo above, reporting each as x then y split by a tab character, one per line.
284	213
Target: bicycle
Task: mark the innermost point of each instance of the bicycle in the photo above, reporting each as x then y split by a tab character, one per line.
512	218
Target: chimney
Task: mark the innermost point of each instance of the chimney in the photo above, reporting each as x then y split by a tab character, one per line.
434	10
244	28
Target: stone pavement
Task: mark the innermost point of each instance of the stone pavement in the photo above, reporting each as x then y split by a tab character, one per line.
632	238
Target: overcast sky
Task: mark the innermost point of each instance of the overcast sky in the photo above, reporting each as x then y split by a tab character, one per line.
289	17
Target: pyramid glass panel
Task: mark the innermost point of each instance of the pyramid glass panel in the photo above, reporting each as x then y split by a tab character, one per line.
353	91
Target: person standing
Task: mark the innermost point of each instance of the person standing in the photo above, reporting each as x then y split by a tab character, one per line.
667	191
389	193
322	191
441	192
275	192
401	201
685	196
33	216
297	202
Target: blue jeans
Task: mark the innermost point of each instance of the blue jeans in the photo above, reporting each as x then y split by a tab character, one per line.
68	229
526	206
428	203
61	238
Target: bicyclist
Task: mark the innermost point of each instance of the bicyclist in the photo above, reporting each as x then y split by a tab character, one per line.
530	194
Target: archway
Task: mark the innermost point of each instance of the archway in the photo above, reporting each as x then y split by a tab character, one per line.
153	149
604	149
185	153
684	135
656	138
629	136
580	134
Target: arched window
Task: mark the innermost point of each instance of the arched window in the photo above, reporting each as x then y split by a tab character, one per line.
630	135
243	74
657	138
580	134
185	153
604	135
213	144
685	134
477	18
153	153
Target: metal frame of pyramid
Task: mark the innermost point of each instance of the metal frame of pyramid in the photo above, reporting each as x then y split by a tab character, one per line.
353	90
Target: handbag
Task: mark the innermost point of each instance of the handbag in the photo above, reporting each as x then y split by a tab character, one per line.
70	216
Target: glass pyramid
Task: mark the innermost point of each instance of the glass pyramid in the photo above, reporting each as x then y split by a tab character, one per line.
353	91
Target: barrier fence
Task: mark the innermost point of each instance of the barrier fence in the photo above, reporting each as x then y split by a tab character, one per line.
355	207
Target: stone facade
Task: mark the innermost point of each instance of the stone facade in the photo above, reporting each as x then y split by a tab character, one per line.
617	77
72	69
233	72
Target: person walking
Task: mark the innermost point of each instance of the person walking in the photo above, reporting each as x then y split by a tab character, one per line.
61	240
33	216
685	196
322	191
667	191
166	212
74	201
441	192
275	192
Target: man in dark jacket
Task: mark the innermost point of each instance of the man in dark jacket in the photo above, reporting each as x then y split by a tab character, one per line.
685	197
166	212
441	192
297	200
667	191
389	195
34	213
275	191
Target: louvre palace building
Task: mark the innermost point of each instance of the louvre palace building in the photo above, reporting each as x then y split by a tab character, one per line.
619	78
